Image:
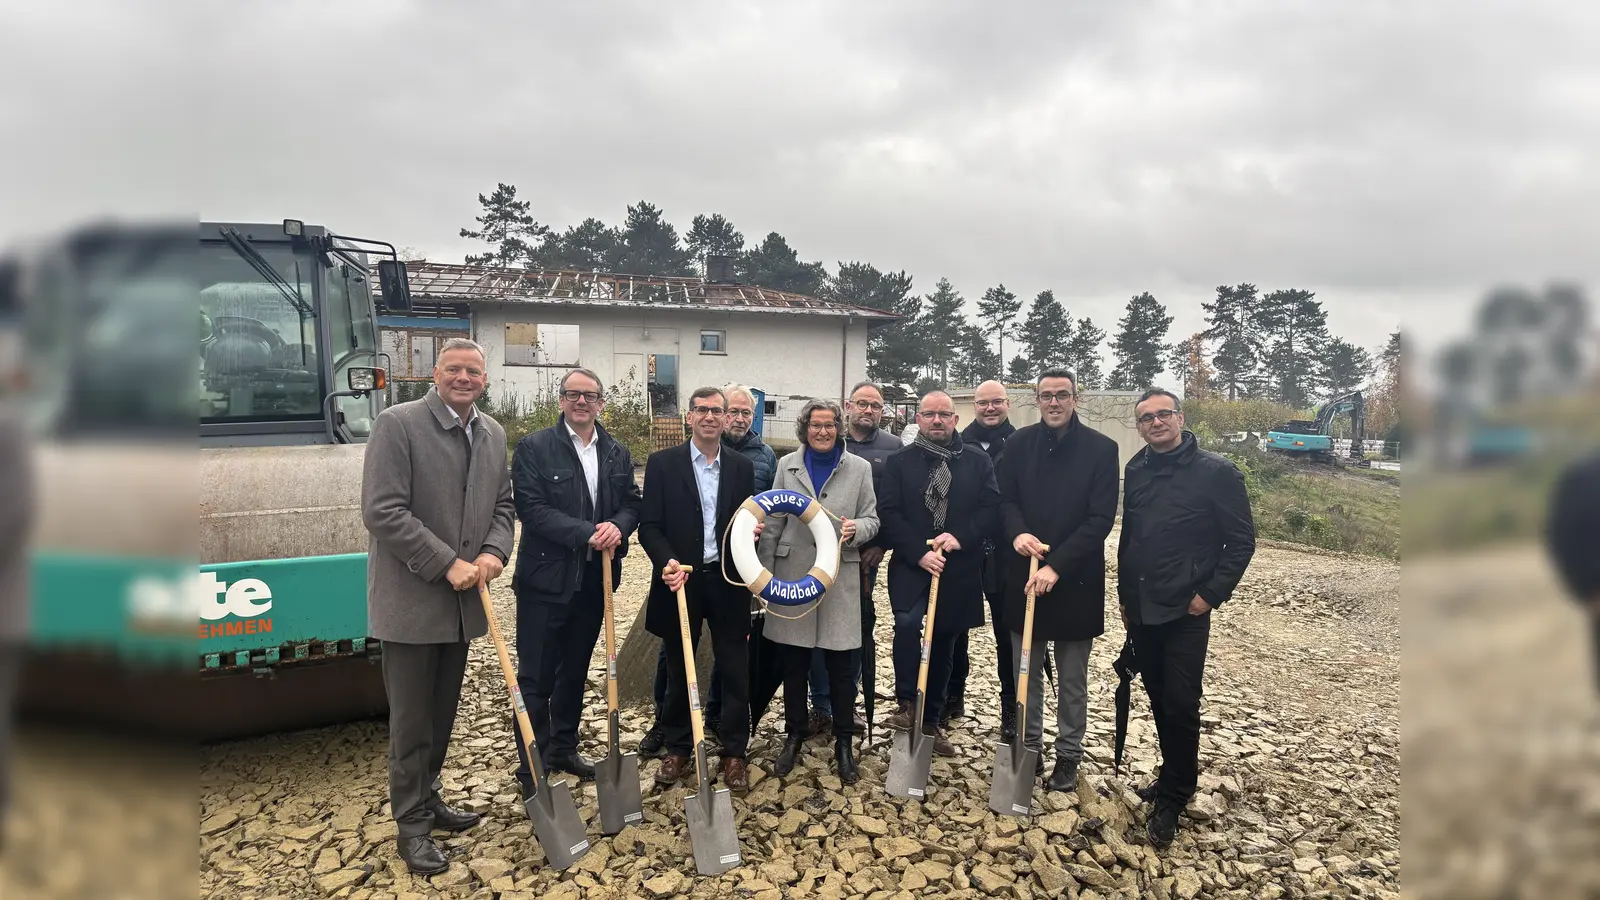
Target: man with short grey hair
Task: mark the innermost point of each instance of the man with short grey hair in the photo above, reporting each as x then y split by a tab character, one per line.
437	503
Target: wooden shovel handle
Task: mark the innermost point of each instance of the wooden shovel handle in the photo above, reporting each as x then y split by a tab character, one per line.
688	669
523	725
611	642
1027	630
927	631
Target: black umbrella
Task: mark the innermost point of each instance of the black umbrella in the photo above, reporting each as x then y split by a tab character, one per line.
1126	666
766	671
869	674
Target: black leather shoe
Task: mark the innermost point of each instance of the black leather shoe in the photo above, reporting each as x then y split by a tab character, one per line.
787	757
1148	792
653	745
1008	723
572	764
448	818
1065	775
844	759
1163	825
422	855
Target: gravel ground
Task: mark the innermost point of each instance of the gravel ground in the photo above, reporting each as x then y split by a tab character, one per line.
1299	786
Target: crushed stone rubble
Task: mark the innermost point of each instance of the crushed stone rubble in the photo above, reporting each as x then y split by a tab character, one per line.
1298	793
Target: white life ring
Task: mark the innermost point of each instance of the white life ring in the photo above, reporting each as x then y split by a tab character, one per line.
757	578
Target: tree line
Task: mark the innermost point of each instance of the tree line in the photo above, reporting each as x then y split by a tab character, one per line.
1273	345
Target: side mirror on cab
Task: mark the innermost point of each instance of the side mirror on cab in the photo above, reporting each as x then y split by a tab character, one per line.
395	283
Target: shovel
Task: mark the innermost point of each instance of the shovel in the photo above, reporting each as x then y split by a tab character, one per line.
710	812
616	778
1015	765
555	818
912	754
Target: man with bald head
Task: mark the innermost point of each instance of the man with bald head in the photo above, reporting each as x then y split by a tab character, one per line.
988	432
937	489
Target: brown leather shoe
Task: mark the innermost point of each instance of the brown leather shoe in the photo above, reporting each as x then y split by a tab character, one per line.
673	769
941	742
735	776
901	719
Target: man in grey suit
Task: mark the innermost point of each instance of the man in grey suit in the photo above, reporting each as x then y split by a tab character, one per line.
16	520
436	499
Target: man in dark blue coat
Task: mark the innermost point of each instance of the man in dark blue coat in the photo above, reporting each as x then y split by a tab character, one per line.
936	489
1574	522
1058	478
576	497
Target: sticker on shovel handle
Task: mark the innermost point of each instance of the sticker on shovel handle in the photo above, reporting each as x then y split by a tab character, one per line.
694	696
611	667
516	698
1024	659
925	646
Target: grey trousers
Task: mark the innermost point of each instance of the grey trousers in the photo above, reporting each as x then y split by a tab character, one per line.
10	671
423	682
1072	685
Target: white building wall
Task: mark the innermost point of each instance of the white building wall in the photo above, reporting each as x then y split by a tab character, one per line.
785	355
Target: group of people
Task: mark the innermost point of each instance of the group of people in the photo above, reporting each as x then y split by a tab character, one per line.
972	505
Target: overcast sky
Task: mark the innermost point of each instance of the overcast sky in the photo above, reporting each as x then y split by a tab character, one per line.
1399	158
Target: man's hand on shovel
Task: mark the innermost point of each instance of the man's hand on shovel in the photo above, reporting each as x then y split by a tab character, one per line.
673	575
462	575
1028	545
489	567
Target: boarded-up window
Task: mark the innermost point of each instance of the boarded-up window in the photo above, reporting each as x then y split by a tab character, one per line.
529	344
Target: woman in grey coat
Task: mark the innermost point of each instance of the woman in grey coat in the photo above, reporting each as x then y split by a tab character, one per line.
843	483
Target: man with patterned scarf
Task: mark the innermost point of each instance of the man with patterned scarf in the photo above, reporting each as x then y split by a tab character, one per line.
936	489
988	432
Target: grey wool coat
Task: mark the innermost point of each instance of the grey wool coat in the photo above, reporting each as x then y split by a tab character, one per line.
787	550
426	503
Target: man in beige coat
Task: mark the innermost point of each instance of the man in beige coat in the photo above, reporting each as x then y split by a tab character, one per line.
436	499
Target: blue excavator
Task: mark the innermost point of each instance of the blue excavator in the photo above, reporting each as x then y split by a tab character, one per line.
1314	439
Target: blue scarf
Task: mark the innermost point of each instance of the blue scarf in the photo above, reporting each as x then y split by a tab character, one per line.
820	465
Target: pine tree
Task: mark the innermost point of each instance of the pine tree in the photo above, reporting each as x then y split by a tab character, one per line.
1190	369
1384	403
650	245
775	265
1083	354
1347	367
896	352
714	236
1294	328
507	226
1140	345
1046	332
1230	320
1020	371
590	246
997	310
940	326
976	361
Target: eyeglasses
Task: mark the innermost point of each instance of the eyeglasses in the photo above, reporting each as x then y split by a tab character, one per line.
742	413
1164	415
454	371
990	404
1057	397
941	415
866	404
575	396
708	410
823	426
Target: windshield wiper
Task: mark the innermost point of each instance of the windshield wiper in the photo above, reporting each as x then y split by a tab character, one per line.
265	269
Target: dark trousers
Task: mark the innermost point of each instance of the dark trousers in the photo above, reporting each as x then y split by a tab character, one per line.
1172	657
908	658
423	682
841	684
730	648
555	642
821	698
10	672
713	705
1005	664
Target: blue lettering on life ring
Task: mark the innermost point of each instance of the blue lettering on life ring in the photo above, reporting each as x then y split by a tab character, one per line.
790	502
793	593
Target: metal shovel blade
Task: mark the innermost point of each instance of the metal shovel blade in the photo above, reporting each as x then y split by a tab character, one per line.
616	780
712	830
556	825
1011	787
909	762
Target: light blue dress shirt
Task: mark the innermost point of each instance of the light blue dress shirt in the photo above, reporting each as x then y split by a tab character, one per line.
706	477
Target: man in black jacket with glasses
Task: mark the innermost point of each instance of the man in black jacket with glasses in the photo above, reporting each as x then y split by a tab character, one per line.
1187	537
